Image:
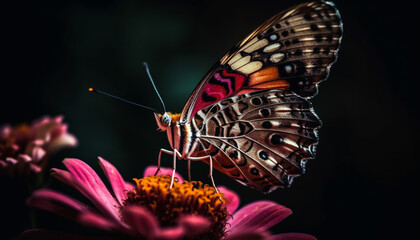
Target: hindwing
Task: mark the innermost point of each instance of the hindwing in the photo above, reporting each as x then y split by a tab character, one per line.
262	139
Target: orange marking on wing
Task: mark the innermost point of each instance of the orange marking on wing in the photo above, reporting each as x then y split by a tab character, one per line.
264	75
243	91
279	84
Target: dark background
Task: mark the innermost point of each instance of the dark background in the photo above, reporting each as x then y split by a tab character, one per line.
363	183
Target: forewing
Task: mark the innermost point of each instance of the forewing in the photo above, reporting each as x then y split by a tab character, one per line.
262	139
293	50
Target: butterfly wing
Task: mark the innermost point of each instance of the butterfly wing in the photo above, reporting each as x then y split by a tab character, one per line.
291	51
262	139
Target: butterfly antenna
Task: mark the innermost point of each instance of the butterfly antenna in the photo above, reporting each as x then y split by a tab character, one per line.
121	99
151	80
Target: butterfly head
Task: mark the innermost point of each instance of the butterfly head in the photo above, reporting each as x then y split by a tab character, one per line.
166	120
163	121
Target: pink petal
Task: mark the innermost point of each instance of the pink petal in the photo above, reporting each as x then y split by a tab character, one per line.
24	158
117	182
41	128
37	142
293	236
141	220
63	141
64	176
58	130
258	216
58	119
129	186
194	224
37	153
3	163
15	147
5	131
171	233
151	170
248	235
11	160
56	202
94	220
233	199
88	182
35	168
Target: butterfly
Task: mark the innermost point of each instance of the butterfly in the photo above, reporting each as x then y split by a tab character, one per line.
250	117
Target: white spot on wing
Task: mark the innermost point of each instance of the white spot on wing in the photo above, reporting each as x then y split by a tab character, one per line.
250	67
288	68
257	45
241	62
277	57
273	37
271	48
234	58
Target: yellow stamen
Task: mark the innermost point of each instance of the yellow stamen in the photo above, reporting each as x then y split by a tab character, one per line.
192	197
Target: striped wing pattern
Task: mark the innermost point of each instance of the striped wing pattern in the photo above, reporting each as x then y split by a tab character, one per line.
262	139
293	50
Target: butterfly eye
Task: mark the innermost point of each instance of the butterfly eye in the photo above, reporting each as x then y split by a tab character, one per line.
166	120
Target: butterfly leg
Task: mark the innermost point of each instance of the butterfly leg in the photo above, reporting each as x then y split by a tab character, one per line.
211	175
189	169
175	154
160	154
211	169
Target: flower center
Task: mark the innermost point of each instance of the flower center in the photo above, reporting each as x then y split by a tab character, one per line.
183	198
14	141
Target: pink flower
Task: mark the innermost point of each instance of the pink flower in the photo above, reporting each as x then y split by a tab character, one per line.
25	149
190	210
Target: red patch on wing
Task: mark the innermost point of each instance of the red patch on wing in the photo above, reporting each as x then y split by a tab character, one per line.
223	84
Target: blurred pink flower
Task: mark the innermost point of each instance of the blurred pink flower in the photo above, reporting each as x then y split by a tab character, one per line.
117	211
25	149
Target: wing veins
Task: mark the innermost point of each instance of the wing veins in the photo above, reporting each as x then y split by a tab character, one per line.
261	145
233	162
205	121
249	157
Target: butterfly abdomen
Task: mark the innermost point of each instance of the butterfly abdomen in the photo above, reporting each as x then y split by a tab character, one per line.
181	137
